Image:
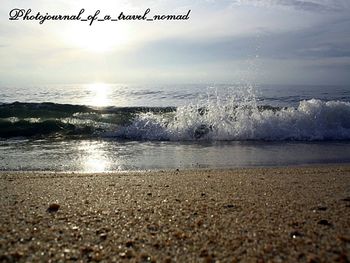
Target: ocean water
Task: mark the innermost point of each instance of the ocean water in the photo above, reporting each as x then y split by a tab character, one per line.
114	127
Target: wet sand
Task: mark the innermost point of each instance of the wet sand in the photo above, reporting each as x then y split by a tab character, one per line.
249	215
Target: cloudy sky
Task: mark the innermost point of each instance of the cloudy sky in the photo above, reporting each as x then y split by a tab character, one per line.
224	41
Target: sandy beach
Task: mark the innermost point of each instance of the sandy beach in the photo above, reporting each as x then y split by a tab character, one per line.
249	215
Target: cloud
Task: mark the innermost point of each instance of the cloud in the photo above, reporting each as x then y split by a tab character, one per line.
329	39
314	6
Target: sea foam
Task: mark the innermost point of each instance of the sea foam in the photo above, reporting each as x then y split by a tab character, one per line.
229	121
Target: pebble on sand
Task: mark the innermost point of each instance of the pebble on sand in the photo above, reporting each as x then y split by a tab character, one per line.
53	208
296	234
324	222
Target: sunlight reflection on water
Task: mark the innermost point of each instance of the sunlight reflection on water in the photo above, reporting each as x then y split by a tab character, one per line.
99	94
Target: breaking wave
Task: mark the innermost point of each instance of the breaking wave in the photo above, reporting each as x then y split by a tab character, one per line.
311	120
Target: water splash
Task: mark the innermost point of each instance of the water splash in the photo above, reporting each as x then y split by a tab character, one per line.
239	117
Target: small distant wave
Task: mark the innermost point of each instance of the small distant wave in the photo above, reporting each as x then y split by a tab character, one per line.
311	120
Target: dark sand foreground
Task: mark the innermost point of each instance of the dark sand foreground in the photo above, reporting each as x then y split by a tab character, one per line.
249	215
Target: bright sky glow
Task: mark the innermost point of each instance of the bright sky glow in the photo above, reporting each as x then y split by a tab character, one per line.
100	38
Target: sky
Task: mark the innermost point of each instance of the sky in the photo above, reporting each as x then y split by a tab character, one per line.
223	41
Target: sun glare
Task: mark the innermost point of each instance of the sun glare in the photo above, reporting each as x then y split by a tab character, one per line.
94	160
99	94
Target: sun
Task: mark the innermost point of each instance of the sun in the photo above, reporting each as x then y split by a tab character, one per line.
101	36
97	38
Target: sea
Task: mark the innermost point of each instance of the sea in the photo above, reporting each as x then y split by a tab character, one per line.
101	127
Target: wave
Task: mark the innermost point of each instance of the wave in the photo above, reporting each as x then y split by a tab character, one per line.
232	120
51	119
311	120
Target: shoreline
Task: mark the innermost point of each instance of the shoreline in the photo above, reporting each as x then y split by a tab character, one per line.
245	214
170	170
